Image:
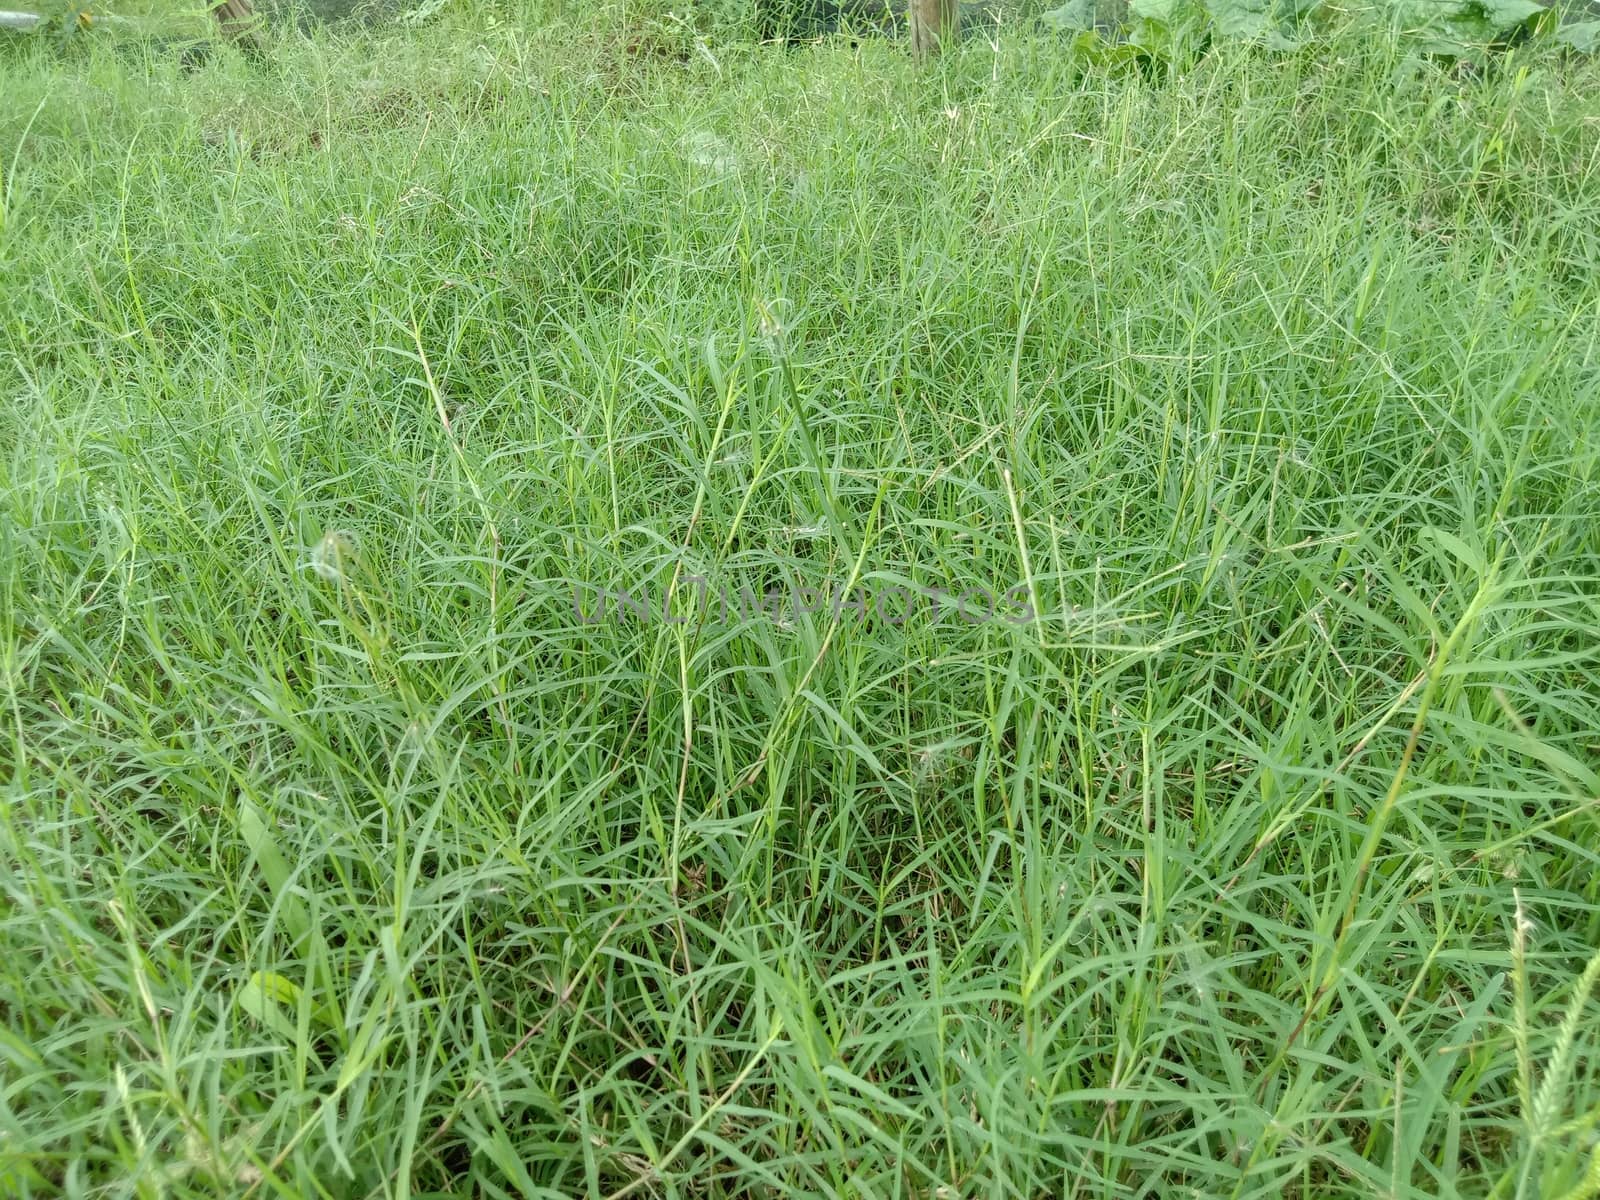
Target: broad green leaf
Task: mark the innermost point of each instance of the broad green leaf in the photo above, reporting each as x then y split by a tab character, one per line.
1454	26
1240	18
1074	14
1168	12
1508	14
1583	36
1425	16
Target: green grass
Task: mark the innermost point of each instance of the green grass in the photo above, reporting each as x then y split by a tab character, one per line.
341	858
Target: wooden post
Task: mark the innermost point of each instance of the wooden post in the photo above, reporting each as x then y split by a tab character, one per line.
237	20
933	22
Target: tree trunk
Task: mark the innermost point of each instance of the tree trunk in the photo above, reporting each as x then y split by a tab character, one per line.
933	22
237	20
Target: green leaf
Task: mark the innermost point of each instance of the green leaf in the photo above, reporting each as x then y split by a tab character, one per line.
1584	36
1456	26
1456	547
1426	16
1168	12
1073	15
261	998
1508	14
1241	18
274	867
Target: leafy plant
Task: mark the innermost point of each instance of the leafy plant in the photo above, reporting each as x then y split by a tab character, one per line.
1442	26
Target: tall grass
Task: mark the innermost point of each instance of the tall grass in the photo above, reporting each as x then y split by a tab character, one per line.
343	856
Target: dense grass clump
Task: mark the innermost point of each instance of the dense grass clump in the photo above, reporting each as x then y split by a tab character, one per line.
343	854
